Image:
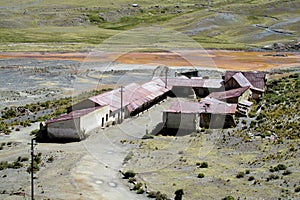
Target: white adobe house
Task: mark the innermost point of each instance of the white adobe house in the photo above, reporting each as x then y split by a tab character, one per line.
75	125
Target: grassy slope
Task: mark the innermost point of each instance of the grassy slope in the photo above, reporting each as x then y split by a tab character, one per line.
221	24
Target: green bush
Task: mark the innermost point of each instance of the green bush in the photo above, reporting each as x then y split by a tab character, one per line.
200	175
129	174
297	189
137	186
228	198
240	175
50	159
286	172
203	165
251	178
140	191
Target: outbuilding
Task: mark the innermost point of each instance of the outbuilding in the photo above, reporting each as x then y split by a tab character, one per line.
75	125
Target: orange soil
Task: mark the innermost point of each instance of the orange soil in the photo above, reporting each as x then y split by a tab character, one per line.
231	60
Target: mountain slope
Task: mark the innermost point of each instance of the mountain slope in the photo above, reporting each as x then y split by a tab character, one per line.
78	24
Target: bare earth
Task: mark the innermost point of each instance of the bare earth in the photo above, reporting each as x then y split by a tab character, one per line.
222	59
89	169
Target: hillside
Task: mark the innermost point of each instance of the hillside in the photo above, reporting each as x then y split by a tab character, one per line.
78	25
256	160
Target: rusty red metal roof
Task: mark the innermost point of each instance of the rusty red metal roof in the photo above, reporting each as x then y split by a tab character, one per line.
184	107
256	78
73	115
195	82
215	106
228	94
206	105
134	95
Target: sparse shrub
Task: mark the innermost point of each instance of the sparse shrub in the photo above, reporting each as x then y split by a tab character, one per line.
131	180
34	132
247	171
129	174
272	176
281	167
151	194
251	178
297	189
140	191
278	168
228	198
161	197
23	159
200	175
50	159
286	172
137	186
240	175
36	168
204	165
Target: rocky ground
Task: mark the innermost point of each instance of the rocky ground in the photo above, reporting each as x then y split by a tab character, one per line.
90	169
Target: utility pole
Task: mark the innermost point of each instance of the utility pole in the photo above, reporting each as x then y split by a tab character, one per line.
166	77
122	90
32	170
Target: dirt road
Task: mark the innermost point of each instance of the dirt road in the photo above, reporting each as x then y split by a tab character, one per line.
82	170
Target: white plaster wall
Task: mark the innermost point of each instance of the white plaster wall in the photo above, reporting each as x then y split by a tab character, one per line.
94	119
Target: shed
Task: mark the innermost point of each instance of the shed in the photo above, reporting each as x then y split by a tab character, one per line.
255	79
182	115
208	113
75	125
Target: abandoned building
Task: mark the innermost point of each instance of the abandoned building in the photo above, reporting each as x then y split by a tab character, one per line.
185	87
208	113
133	98
255	80
223	99
75	124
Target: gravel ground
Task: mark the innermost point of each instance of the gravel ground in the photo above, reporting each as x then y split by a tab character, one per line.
82	170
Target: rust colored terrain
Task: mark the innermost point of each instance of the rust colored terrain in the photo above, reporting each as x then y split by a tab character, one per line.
230	60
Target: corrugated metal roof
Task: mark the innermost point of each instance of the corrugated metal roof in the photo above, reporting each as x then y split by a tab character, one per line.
184	107
73	115
256	78
215	106
195	82
134	95
228	94
242	80
206	105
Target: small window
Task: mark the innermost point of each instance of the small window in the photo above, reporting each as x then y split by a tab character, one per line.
106	117
102	121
